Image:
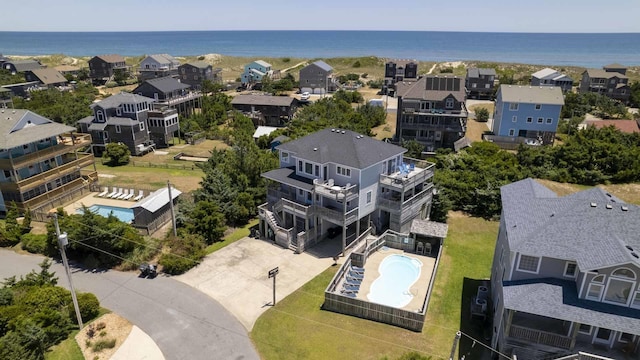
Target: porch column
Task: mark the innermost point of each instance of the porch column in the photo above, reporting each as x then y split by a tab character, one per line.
507	325
574	334
357	227
344	223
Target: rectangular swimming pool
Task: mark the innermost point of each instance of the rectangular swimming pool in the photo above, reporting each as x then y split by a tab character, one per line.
124	214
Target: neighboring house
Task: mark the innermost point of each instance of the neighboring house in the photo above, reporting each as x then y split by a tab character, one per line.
103	67
49	78
397	70
171	93
626	126
6	101
21	66
154	210
317	78
3	59
158	65
120	118
566	274
527	112
194	73
550	77
41	162
255	71
338	182
480	82
611	82
432	112
266	110
163	124
68	69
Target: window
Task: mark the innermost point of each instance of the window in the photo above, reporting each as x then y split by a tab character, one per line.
100	116
529	119
513	106
343	171
118	111
299	166
538	106
540	120
620	287
317	170
585	329
529	264
487	86
105	135
514	119
308	168
570	269
285	156
635	303
118	129
449	103
368	197
624	273
626	338
549	120
141	126
595	288
512	132
300	192
474	85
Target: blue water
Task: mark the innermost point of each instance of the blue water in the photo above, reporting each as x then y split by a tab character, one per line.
588	50
124	214
397	274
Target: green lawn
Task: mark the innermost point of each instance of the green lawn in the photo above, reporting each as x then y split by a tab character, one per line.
67	350
297	328
238	234
150	178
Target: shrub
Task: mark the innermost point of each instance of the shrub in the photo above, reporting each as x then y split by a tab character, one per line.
186	252
34	243
89	307
446	70
356	64
375	84
201	57
286	60
116	154
482	114
103	344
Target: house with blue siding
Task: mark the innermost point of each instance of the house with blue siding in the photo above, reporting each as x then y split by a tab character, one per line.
338	183
255	71
527	112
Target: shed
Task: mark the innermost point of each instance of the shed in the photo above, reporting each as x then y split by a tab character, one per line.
264	130
153	211
428	235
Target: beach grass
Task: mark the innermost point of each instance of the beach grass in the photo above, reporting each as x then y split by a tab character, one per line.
303	329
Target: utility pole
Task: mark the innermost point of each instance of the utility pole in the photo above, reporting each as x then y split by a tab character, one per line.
173	213
62	242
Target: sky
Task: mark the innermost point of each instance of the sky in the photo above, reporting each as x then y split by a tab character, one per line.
420	15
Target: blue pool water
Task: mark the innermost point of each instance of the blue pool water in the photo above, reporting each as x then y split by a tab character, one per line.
397	274
124	214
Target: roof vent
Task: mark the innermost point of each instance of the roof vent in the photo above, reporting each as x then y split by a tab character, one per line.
634	255
624	208
593	204
333	130
315	149
629	248
552	215
343	131
608	206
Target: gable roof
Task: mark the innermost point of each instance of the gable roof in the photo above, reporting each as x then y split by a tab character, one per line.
20	127
164	85
614	66
25	65
477	72
120	98
401	62
49	76
626	126
550	95
545	73
539	223
420	90
599	73
157	199
343	147
429	228
198	64
323	65
164	59
111	58
264	100
262	63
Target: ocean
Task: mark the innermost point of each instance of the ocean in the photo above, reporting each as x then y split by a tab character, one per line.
587	50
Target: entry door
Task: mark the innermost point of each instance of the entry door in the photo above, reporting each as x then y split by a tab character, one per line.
603	336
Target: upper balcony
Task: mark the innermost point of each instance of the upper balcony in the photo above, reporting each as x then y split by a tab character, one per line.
67	143
329	190
182	98
83	160
419	172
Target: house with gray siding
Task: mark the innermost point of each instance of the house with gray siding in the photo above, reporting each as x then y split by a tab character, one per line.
170	92
397	71
432	112
194	73
480	82
566	274
102	68
611	81
551	77
340	183
158	65
48	78
120	118
317	78
266	110
21	66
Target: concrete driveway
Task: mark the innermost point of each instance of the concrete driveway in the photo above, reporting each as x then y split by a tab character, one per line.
236	275
183	322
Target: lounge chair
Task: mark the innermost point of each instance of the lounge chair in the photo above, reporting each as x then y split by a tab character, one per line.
104	192
115	196
357	268
131	192
355	278
124	193
113	193
356	271
350	293
358	274
139	196
351	283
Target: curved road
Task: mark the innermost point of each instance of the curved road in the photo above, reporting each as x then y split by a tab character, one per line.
184	323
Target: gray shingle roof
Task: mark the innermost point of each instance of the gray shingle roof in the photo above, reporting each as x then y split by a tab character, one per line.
118	99
418	90
558	299
477	72
614	66
19	127
539	223
164	85
429	228
198	64
157	199
165	59
264	100
111	58
26	65
323	65
599	73
288	176
49	76
123	121
532	94
350	149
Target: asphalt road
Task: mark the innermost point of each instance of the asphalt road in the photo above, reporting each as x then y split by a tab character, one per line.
184	322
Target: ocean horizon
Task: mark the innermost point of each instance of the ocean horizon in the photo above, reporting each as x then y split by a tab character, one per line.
557	49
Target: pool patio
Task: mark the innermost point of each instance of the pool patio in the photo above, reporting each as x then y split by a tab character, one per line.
93	199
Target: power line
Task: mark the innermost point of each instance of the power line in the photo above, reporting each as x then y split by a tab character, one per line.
486	346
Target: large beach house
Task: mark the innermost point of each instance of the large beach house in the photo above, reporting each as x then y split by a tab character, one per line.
340	183
566	275
43	162
611	81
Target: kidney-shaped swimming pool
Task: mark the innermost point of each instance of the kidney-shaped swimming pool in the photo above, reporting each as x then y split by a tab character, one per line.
397	274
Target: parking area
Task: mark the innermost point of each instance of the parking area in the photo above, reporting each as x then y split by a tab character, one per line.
237	275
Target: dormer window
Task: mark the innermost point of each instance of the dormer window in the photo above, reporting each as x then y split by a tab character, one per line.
118	111
284	156
570	269
100	116
449	103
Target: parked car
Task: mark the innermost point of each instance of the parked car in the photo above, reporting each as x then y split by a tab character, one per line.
305	96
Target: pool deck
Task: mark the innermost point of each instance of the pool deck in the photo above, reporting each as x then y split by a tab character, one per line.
418	289
93	199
